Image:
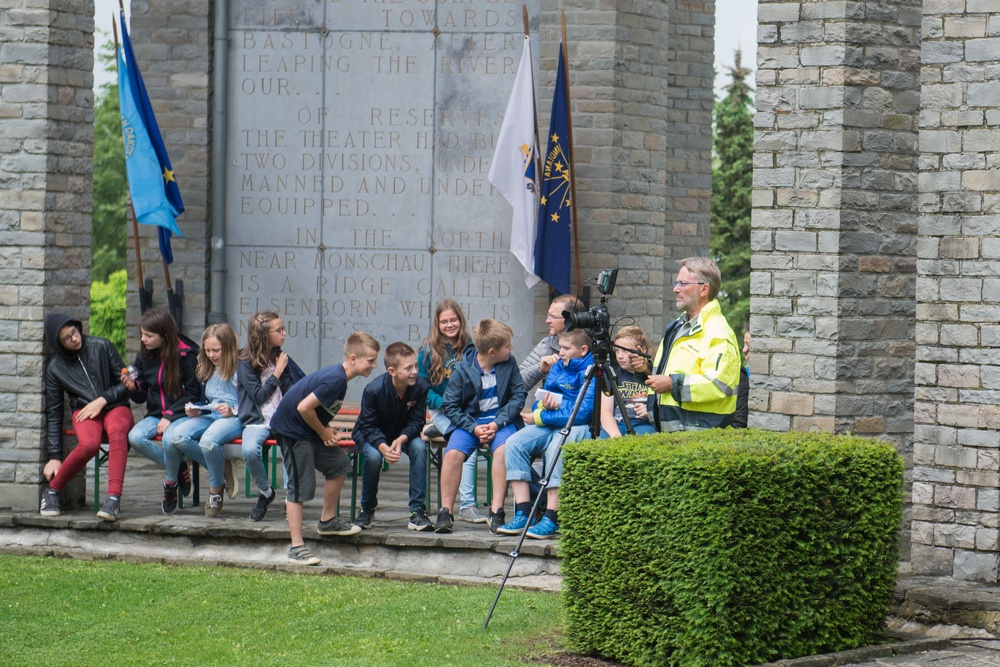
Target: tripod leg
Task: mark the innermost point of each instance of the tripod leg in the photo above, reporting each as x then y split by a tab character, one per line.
612	381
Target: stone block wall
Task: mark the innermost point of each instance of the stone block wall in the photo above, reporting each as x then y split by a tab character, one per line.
956	461
46	139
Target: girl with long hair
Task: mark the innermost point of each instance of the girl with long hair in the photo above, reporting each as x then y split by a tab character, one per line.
165	381
211	423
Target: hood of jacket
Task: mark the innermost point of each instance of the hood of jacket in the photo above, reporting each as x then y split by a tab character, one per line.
54	322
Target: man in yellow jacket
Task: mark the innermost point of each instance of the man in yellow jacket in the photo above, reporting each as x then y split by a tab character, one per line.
696	371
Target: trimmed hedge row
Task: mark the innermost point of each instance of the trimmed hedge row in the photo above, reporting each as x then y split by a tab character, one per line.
728	547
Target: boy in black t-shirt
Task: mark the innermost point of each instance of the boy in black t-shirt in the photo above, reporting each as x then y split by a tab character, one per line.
632	373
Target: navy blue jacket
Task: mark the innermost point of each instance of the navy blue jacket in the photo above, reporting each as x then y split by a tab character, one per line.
461	397
385	415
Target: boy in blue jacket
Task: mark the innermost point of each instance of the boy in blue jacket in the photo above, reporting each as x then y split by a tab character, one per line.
393	410
483	400
562	386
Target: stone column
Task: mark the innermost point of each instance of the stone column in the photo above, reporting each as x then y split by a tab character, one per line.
46	154
834	219
956	460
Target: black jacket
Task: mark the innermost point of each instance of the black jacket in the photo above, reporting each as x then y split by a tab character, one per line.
253	393
461	397
83	376
149	391
385	415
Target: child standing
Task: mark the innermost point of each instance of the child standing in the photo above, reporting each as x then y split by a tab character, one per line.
632	372
166	381
393	409
201	436
265	373
484	399
308	444
563	384
444	347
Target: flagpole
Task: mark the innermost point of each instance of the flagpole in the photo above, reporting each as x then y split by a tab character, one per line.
572	165
534	107
144	297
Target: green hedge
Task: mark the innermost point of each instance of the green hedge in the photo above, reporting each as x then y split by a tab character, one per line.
725	548
107	309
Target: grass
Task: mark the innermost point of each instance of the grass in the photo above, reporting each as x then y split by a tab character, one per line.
68	612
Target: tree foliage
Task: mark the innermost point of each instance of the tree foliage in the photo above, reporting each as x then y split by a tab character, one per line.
732	184
107	309
110	182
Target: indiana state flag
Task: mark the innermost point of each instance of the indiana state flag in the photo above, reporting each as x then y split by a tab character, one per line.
513	169
155	197
552	247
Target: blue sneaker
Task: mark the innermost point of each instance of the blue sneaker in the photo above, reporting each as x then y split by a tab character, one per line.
544	529
515	525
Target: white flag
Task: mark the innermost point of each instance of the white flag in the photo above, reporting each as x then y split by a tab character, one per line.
513	168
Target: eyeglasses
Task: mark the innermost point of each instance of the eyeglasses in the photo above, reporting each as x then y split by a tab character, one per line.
682	283
550	316
279	330
68	338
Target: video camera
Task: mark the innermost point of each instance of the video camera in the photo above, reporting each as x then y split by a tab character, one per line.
597	320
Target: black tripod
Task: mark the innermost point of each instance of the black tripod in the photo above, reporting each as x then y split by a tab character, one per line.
606	376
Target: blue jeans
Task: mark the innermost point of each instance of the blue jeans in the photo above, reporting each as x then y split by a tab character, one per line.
641	428
416	450
141	440
533	441
201	440
253	453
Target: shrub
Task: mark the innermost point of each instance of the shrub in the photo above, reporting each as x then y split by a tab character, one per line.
107	309
724	548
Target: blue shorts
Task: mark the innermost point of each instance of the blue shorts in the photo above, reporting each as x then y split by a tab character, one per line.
467	443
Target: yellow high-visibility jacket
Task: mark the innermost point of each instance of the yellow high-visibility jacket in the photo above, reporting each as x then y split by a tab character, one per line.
705	367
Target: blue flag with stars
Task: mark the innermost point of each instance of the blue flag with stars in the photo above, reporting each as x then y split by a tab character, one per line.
552	242
155	197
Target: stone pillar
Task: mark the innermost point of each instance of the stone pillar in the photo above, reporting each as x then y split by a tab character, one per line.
46	138
834	219
173	46
956	459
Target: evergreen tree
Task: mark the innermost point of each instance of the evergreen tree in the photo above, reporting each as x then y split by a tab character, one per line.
732	184
110	182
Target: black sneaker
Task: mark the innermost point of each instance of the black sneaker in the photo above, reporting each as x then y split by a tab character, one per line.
50	502
259	510
169	498
445	522
419	521
109	511
496	519
364	520
431	431
184	479
337	526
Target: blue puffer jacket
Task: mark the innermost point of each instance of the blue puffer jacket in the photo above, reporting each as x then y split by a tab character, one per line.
567	379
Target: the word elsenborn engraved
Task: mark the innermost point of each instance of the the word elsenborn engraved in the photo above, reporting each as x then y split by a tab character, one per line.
360	139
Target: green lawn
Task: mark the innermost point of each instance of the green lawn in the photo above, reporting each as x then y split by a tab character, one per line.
68	612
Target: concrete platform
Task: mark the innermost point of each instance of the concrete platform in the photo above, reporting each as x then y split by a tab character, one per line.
143	533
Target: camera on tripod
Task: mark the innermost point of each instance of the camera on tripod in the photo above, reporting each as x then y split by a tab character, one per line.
597	320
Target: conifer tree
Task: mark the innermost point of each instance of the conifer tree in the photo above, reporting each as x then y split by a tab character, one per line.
732	183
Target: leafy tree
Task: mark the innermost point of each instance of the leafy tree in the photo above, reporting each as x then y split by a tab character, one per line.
732	184
107	309
110	182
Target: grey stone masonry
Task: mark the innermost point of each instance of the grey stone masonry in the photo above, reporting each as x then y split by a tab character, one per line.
957	413
46	138
834	218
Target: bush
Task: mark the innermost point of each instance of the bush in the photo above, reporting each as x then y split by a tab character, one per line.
107	309
724	548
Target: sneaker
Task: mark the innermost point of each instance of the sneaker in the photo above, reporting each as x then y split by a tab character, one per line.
229	470
516	525
472	514
337	526
169	498
302	556
50	502
364	520
214	504
110	508
259	510
431	431
445	523
496	519
184	479
544	529
419	521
